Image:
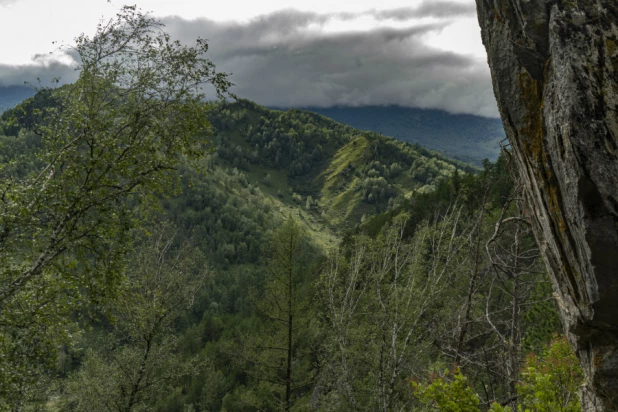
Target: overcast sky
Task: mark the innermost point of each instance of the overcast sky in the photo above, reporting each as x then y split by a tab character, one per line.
417	53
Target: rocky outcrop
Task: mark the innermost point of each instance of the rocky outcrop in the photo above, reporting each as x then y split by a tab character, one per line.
554	65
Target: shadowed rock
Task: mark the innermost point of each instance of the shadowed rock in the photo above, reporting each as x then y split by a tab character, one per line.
554	66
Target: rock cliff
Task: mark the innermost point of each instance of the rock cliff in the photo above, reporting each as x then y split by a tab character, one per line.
554	65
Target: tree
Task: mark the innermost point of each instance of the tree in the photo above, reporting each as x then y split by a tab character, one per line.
141	360
383	301
278	356
515	265
549	383
555	75
109	143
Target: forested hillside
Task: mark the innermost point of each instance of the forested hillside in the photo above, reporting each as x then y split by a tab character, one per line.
461	136
344	172
367	208
467	138
159	253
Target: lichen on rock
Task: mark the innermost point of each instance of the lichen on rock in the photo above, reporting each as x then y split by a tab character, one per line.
554	65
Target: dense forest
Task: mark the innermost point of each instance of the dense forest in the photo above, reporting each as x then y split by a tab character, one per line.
160	253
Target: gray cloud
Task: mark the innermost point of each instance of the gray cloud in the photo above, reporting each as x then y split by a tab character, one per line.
283	59
7	2
428	8
277	60
33	73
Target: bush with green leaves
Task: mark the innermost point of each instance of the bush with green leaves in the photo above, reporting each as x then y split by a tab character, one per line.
549	383
449	392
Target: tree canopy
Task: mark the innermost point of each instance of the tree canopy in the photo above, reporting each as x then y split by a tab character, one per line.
105	145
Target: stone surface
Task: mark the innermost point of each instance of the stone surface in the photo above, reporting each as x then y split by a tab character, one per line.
554	66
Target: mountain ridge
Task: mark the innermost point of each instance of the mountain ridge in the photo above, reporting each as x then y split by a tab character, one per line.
465	137
11	96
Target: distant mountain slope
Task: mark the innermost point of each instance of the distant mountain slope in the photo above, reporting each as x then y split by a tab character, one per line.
340	172
463	137
10	96
269	164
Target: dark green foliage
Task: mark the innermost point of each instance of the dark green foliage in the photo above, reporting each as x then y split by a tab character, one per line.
229	226
265	166
541	320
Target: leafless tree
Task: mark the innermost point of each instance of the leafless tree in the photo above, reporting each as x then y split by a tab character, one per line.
381	304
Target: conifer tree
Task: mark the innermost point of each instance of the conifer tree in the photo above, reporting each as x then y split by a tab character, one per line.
277	357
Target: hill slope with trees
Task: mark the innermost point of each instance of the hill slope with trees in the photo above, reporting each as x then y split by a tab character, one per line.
165	254
357	203
461	136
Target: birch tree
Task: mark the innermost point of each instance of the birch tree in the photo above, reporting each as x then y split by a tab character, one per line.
141	359
107	144
383	302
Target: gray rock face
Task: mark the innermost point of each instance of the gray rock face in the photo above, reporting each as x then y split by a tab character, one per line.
554	65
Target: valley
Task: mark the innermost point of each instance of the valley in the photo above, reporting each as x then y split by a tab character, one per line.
284	215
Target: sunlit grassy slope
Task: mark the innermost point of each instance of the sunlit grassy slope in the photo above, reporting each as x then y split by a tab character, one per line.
346	173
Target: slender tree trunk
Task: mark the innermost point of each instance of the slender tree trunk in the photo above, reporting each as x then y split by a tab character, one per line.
515	318
140	376
288	378
472	285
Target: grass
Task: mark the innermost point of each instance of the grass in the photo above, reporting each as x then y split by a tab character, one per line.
351	153
332	183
